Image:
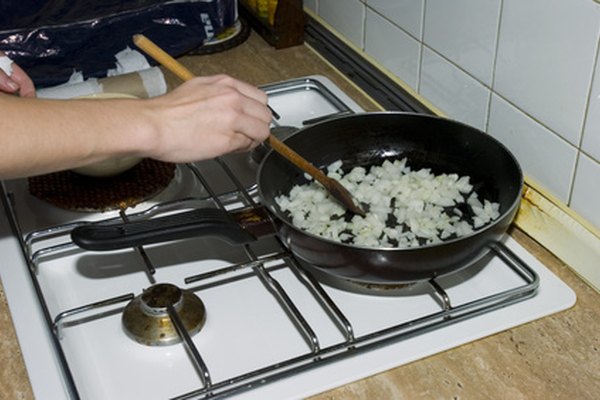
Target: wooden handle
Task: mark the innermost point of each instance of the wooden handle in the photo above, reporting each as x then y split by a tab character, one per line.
162	57
298	160
334	187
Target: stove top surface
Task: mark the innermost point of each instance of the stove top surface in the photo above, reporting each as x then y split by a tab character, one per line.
271	329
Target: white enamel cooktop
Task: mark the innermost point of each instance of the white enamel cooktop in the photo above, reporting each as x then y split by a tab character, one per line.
247	328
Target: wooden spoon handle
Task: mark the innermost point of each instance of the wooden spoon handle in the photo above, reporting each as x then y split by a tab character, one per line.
185	74
162	57
298	160
334	187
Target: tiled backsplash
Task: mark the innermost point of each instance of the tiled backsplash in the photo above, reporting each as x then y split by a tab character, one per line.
526	72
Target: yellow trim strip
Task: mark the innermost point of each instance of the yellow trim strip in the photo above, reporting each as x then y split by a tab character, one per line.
559	232
563	207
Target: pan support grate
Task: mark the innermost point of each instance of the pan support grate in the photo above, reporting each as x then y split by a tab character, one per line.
55	242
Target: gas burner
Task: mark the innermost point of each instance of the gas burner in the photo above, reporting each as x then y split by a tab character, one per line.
74	192
359	287
300	337
147	319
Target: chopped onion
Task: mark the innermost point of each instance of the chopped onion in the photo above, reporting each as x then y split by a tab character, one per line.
406	208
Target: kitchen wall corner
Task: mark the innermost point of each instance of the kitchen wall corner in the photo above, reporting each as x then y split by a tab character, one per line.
526	72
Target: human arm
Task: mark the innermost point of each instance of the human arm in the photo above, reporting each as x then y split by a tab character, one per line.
203	118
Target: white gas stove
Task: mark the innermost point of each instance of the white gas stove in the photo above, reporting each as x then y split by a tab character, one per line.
272	330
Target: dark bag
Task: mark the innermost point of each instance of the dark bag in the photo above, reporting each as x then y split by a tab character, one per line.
50	39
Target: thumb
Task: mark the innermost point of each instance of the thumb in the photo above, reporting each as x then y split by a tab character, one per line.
7	84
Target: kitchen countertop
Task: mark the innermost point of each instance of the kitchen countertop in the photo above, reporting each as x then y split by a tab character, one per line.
554	357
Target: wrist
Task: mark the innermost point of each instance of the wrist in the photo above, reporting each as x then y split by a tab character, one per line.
146	129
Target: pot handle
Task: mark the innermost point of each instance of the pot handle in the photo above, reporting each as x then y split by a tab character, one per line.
201	222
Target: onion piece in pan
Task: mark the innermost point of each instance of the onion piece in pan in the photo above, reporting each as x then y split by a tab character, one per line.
406	208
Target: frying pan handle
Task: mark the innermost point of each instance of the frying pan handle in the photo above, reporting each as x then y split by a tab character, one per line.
201	222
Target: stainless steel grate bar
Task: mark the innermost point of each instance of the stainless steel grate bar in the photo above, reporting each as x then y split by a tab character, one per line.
191	348
324	299
59	319
316	356
386	336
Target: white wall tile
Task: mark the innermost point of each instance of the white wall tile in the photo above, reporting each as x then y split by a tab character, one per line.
311	5
591	132
465	32
543	64
345	16
407	14
452	90
545	57
401	58
543	155
586	190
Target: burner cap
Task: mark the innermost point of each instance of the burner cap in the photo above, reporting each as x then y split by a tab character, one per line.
147	321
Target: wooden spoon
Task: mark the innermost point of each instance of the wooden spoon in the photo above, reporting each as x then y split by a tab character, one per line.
335	188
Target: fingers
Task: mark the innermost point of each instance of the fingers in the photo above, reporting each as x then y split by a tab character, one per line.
207	117
242	87
6	84
242	106
258	110
23	81
17	82
254	105
242	143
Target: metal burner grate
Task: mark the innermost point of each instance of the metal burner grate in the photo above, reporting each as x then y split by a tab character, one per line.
231	190
261	266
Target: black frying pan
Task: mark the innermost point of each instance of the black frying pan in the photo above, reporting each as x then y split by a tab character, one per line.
443	145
